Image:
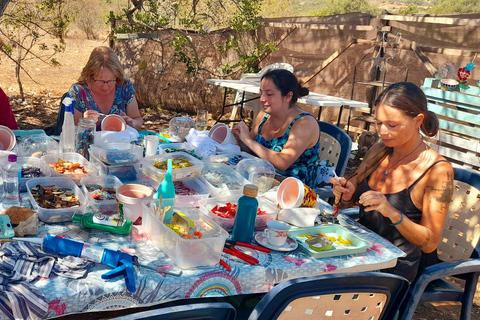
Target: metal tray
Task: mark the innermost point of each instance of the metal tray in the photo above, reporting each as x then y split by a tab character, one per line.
331	230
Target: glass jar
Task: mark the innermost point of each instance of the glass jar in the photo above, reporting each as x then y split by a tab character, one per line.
85	136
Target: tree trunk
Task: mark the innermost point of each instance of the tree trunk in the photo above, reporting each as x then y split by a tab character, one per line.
3	6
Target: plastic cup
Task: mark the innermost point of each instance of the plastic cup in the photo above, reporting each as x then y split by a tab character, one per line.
113	122
130	197
7	138
276	232
293	193
151	145
221	133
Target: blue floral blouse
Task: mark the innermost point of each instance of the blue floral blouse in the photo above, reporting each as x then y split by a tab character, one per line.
302	167
81	93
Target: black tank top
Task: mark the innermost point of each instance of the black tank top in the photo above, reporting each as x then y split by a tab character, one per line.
406	266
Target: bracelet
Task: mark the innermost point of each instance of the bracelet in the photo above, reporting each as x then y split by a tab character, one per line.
397	223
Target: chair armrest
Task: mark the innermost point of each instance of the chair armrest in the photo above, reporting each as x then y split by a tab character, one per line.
444	269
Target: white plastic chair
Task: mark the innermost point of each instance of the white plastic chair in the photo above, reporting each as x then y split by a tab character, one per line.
254	103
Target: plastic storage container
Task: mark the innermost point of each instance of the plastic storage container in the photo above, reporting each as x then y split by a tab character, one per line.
222	180
117	153
259	172
184	173
125	172
186	253
179	128
104	206
59	214
231	159
227	223
180	147
72	157
32	163
188	192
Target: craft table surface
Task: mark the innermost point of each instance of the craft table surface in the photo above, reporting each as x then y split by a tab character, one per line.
65	295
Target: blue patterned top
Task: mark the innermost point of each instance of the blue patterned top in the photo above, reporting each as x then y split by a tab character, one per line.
81	93
302	167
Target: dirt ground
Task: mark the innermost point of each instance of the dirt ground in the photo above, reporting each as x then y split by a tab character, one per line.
40	108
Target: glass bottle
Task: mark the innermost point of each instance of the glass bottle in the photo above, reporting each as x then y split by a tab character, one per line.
85	136
244	225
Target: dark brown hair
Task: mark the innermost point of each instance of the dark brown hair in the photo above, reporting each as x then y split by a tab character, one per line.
411	100
286	82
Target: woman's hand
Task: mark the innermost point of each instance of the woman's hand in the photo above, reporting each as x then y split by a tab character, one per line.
342	188
241	131
376	201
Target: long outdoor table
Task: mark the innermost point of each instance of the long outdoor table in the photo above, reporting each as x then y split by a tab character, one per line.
314	99
66	295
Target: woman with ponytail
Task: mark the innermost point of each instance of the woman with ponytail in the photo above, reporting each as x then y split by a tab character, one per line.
283	133
403	187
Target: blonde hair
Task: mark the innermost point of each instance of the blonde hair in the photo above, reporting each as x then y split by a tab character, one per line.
100	58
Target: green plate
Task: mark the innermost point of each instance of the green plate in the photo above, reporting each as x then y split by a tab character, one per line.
330	230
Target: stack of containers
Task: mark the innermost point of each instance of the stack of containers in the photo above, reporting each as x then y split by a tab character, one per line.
117	159
189	188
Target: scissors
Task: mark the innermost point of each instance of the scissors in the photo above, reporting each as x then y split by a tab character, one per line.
230	249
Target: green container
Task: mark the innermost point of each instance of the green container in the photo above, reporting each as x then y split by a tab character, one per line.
103	222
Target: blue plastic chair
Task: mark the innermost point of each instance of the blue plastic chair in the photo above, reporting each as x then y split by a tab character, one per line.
459	239
366	295
335	146
197	311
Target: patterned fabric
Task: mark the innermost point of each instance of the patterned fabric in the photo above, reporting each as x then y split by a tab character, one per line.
81	93
302	167
24	262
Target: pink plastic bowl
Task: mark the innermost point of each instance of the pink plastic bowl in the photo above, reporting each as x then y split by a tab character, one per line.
7	138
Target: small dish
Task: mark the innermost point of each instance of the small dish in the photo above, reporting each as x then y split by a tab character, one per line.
289	245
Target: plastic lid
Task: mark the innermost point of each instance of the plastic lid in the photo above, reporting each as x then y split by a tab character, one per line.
12	158
250	190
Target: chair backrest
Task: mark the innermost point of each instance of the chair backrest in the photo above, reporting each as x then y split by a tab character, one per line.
462	227
335	146
57	128
367	295
197	311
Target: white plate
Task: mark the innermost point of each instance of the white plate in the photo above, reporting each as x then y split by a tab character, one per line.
289	245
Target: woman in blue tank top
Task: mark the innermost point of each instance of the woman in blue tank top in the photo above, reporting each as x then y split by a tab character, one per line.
403	187
283	133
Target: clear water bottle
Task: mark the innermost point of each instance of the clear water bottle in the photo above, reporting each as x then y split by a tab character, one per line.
244	225
11	182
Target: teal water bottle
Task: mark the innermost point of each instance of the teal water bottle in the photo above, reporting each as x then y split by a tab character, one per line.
244	225
166	189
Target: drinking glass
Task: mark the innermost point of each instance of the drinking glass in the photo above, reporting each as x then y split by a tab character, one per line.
202	120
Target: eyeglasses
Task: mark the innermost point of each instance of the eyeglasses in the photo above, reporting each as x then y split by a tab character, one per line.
108	82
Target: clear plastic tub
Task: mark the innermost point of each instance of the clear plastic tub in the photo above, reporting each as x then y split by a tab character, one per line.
188	192
59	214
269	207
104	206
72	157
32	162
231	159
259	172
222	180
117	153
180	147
185	173
125	172
186	253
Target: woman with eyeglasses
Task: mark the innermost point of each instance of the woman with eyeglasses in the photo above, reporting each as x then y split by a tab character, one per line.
104	87
403	187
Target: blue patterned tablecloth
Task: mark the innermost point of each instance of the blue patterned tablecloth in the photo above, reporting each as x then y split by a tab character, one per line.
65	295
